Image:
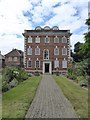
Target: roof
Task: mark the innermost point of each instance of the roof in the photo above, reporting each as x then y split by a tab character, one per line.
14	53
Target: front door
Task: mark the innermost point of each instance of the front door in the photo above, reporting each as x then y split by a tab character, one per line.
46	67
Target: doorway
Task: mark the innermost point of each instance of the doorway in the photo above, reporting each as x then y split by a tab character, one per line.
46	67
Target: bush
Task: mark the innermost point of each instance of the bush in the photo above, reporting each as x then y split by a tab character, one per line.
37	73
11	76
57	73
83	83
5	87
21	76
13	83
29	74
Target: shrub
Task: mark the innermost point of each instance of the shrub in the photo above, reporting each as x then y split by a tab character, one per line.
83	83
29	74
13	83
37	73
21	76
11	76
57	73
5	87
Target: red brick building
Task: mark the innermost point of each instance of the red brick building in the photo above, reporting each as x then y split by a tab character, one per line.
46	49
14	58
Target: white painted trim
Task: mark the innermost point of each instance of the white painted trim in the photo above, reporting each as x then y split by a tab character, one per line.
50	66
27	64
43	54
39	63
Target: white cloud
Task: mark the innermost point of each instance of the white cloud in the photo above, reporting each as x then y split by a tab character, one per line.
48	12
75	38
8	42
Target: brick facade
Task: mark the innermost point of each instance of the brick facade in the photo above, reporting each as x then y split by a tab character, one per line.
47	65
14	58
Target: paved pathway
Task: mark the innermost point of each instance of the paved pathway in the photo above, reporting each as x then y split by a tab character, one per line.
49	101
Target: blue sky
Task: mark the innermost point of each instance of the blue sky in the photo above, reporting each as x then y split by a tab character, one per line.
18	15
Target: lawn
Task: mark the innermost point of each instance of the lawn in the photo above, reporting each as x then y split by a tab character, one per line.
75	94
17	101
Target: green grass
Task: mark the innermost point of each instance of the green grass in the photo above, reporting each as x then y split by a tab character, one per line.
17	101
75	94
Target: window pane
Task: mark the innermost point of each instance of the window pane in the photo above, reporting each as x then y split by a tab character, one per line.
64	40
37	64
29	39
29	52
47	40
37	39
64	51
37	51
56	51
29	63
10	59
46	54
15	59
64	64
56	40
56	64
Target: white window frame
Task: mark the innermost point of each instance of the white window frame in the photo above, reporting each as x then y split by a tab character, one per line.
56	39
44	54
29	39
15	59
39	63
37	39
28	51
10	59
63	51
56	63
64	39
55	51
28	64
48	39
36	51
64	63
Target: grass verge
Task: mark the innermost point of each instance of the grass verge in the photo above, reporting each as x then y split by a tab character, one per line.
17	101
75	94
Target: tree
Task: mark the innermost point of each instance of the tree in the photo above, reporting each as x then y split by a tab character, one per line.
85	49
77	56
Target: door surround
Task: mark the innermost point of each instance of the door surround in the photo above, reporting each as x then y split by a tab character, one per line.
50	66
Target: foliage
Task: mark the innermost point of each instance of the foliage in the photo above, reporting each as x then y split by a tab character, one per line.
77	56
77	70
12	76
37	73
82	50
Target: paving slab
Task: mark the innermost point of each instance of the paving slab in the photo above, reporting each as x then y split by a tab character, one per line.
49	101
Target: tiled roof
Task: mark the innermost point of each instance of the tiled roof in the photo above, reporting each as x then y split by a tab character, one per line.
14	53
